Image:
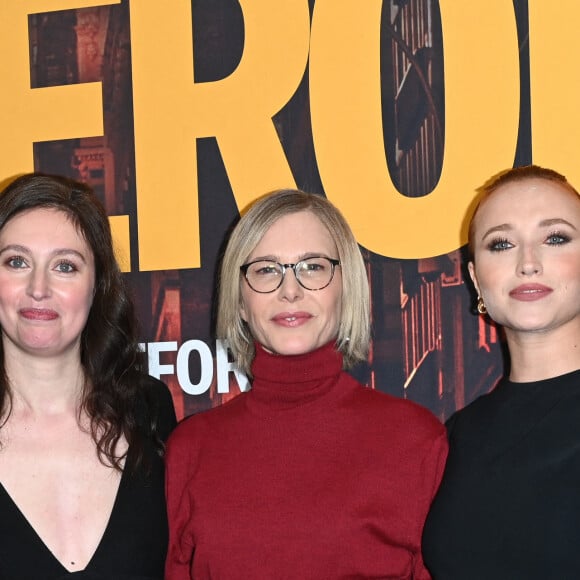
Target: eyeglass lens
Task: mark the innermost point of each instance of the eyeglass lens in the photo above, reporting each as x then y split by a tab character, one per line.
311	273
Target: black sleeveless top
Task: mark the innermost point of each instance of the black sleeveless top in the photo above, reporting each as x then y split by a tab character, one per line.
134	544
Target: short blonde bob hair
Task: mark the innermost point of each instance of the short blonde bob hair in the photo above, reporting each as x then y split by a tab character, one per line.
354	329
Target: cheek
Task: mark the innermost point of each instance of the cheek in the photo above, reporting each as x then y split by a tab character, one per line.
5	293
338	305
243	313
253	308
5	300
84	300
334	305
570	267
244	309
486	276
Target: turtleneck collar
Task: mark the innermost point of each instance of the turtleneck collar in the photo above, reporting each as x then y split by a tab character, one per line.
285	382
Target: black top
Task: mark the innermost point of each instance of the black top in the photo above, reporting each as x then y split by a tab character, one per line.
134	544
509	504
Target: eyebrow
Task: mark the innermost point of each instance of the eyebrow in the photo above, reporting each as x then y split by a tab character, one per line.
543	224
556	221
272	258
55	253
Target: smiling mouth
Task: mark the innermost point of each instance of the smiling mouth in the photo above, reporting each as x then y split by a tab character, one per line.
292	320
530	293
38	314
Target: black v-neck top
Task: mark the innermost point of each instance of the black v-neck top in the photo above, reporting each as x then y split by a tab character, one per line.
134	544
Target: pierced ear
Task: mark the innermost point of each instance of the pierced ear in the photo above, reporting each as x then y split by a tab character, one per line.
473	275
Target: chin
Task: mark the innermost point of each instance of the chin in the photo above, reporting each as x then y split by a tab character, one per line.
294	348
532	326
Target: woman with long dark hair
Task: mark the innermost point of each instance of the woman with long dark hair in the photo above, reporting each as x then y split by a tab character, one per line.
81	425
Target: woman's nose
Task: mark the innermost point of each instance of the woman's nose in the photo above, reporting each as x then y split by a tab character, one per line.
529	262
290	289
38	285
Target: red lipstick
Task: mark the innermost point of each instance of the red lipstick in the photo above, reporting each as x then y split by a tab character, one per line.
38	314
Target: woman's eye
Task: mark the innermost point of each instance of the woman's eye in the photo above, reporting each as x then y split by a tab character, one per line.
65	267
313	267
16	262
557	239
499	245
267	271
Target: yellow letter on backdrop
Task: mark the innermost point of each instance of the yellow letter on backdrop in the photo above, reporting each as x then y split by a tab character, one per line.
171	111
555	86
32	115
43	114
481	121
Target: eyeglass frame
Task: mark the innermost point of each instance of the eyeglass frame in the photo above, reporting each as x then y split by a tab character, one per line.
333	264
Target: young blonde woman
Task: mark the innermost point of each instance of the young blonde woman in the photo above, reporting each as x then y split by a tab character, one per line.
509	505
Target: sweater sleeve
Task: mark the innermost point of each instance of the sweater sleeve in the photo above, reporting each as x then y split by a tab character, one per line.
434	465
179	503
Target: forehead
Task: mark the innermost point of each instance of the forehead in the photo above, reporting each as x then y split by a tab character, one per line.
296	234
41	223
527	198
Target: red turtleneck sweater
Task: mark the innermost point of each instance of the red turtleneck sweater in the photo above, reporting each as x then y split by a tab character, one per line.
307	476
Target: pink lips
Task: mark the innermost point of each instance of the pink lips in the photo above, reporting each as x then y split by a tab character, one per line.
38	314
291	319
530	292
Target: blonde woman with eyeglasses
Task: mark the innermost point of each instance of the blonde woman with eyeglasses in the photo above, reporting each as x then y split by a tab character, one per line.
308	475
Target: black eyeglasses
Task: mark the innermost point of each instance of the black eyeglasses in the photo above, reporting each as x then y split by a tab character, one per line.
313	273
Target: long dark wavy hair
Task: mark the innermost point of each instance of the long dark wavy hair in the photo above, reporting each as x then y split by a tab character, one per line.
113	396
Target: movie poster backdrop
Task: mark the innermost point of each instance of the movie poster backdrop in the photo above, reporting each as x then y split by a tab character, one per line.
179	113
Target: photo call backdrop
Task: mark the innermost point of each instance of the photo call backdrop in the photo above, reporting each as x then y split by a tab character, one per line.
179	113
